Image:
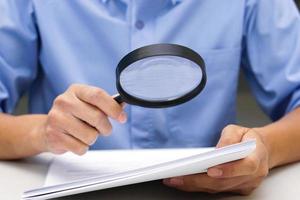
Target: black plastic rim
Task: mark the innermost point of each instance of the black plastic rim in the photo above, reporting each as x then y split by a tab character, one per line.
160	50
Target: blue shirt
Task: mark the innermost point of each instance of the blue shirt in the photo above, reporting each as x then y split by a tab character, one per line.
46	45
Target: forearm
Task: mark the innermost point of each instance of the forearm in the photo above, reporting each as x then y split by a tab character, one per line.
282	139
21	136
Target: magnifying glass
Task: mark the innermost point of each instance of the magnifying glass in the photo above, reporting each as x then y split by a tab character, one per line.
159	76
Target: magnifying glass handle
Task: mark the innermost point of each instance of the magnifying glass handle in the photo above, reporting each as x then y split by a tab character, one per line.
118	98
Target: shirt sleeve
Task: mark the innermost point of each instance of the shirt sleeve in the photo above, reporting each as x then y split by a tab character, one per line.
271	57
18	51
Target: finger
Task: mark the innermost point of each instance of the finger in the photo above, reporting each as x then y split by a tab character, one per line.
202	182
243	191
93	116
75	127
170	183
231	134
80	130
74	145
244	167
101	100
247	187
247	166
123	105
60	142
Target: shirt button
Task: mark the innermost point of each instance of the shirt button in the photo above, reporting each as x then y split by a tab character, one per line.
139	24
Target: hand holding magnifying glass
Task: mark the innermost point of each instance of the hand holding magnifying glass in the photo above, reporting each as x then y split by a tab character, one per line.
160	75
154	76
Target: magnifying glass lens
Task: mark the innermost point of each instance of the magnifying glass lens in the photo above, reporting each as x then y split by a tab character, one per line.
160	78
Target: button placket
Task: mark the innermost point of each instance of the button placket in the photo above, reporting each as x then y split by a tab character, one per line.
141	126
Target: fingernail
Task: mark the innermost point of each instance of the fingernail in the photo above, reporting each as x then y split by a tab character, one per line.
175	182
122	118
93	142
214	172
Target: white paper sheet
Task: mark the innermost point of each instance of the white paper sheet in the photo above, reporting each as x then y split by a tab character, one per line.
69	167
70	174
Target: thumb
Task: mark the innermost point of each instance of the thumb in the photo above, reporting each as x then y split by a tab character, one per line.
231	134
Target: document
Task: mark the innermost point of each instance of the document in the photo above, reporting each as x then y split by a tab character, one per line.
70	174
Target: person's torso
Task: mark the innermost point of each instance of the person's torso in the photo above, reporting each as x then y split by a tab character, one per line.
82	42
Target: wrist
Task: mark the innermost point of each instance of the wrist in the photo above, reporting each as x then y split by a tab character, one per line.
268	141
37	134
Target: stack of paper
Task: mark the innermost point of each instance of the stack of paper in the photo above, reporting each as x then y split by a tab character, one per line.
70	174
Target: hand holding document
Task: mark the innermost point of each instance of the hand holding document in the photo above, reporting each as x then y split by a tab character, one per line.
70	174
